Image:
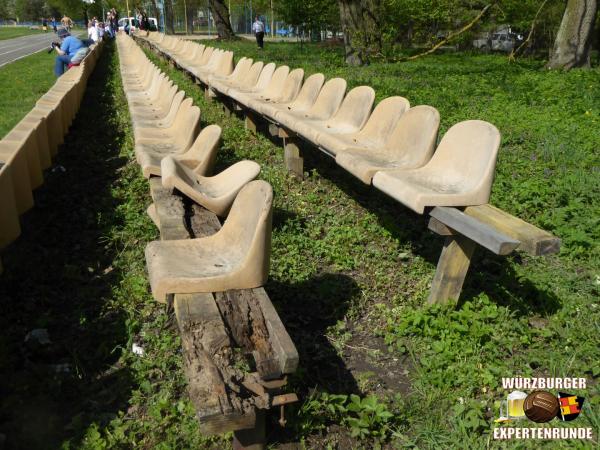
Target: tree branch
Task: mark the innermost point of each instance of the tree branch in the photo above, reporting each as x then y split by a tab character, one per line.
452	35
525	43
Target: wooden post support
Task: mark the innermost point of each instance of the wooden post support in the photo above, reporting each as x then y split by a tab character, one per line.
253	438
451	269
227	109
209	94
292	156
273	129
251	122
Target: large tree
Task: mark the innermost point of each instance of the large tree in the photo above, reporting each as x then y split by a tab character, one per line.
574	38
361	24
221	15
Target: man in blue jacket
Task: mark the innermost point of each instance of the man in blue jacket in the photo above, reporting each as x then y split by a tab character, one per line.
68	47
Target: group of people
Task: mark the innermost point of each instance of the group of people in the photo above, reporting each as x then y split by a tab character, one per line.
66	22
72	49
97	30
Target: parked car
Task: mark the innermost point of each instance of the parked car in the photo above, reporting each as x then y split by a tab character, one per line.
501	41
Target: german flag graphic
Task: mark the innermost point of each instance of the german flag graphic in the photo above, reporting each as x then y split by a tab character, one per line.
570	406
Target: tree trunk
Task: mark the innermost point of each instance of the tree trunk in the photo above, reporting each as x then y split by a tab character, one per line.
169	17
574	38
360	23
221	15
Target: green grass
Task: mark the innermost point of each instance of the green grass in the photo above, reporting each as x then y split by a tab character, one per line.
22	83
349	276
9	32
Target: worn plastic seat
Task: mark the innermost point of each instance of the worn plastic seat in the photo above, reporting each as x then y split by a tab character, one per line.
327	103
15	156
215	193
40	130
169	102
200	157
376	131
236	257
186	120
261	84
271	89
223	66
349	118
288	92
246	82
410	145
460	173
239	72
25	138
10	228
301	103
158	119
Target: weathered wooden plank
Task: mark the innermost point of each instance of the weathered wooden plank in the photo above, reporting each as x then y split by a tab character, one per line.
168	211
208	366
292	156
250	315
451	269
439	228
280	340
483	234
534	240
251	121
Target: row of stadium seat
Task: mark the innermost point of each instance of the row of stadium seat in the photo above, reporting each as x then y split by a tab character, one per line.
169	144
27	150
392	146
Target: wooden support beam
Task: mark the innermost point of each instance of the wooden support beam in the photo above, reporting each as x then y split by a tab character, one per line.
251	121
168	211
273	129
533	240
292	156
439	228
208	366
451	269
482	234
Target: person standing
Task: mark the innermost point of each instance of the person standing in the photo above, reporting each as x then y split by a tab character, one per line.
259	31
92	31
44	24
54	24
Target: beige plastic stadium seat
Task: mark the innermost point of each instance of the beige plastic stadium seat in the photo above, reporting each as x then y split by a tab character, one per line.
460	173
16	157
40	130
374	134
10	229
169	102
288	92
410	145
215	193
27	140
223	67
200	157
158	119
263	81
236	257
302	103
246	82
272	88
239	72
175	140
327	103
349	118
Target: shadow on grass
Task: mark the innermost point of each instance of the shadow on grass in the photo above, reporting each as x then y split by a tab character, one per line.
307	310
495	275
58	276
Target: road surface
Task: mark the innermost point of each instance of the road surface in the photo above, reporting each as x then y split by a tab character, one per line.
17	48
